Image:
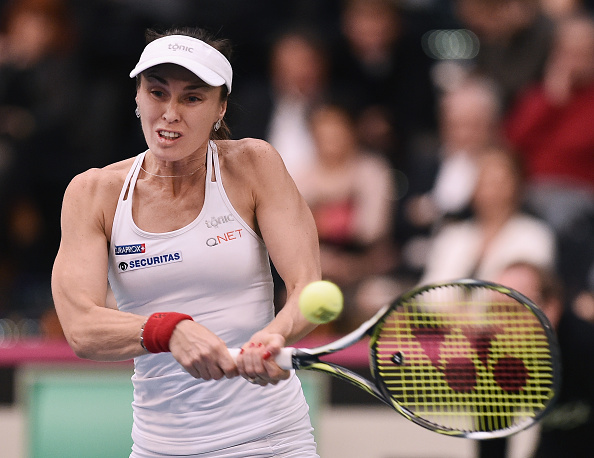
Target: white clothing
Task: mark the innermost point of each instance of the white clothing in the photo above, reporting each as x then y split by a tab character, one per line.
217	270
456	250
455	182
289	133
295	443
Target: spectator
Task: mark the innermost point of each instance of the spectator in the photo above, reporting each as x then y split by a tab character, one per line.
469	122
558	9
379	63
567	429
38	106
584	305
38	83
551	127
498	232
278	110
350	193
515	39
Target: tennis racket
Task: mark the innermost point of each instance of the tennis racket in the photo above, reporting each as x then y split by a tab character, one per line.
469	359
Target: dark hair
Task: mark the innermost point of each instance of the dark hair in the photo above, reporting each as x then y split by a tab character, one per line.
222	45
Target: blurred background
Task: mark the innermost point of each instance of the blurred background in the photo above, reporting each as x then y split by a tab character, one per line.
433	139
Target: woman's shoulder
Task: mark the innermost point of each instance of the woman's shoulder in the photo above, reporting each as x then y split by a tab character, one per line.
97	182
91	197
245	148
248	154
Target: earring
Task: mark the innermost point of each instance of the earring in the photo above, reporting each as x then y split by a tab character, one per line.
137	112
217	125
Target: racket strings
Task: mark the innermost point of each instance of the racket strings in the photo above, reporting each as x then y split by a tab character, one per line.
472	360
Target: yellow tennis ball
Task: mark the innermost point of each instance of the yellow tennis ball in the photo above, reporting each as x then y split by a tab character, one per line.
321	302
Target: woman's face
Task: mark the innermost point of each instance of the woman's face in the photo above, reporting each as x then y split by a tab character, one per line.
498	185
468	119
333	134
177	111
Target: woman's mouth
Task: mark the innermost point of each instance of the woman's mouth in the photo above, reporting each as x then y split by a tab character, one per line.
168	135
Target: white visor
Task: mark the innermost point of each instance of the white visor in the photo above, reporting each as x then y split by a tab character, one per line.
203	60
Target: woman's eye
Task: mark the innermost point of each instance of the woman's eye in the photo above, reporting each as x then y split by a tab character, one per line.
157	93
193	99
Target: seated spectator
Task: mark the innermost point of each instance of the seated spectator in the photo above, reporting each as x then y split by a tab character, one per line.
350	193
380	66
558	9
497	233
39	108
551	127
567	430
584	305
515	38
277	110
469	122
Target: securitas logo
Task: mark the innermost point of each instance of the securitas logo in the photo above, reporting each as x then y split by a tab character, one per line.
152	261
130	249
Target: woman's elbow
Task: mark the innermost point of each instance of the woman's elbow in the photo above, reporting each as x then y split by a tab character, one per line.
79	343
77	346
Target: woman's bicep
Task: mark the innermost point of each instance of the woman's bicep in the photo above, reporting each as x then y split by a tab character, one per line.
291	237
79	280
289	232
79	276
287	226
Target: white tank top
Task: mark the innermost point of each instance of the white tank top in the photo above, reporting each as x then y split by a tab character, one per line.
217	270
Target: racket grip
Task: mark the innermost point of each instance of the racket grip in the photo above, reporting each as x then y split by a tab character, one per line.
284	359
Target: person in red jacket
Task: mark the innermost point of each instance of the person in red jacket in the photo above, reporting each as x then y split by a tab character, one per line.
551	126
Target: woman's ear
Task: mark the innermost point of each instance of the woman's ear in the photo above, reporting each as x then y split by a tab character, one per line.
223	109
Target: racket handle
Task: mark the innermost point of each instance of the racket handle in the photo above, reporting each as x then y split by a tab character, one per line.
284	359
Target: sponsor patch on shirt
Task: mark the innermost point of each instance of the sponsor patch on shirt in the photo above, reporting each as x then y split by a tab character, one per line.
149	261
130	249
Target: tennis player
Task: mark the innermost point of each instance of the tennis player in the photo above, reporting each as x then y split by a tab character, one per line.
182	233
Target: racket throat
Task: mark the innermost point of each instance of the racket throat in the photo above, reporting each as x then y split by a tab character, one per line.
398	358
301	359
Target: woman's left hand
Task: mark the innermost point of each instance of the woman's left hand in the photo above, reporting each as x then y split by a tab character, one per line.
256	361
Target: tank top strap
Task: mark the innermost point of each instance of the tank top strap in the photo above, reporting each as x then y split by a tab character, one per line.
134	172
210	153
128	187
130	181
216	164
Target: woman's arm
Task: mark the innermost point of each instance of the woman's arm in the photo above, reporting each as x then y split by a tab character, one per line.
288	229
79	285
79	278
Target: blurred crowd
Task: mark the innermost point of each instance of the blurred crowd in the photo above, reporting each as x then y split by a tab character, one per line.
433	139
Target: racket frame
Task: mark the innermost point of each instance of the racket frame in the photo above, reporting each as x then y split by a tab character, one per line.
309	359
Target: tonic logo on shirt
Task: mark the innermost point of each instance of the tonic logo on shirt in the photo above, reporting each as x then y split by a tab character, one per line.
130	249
214	222
151	261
